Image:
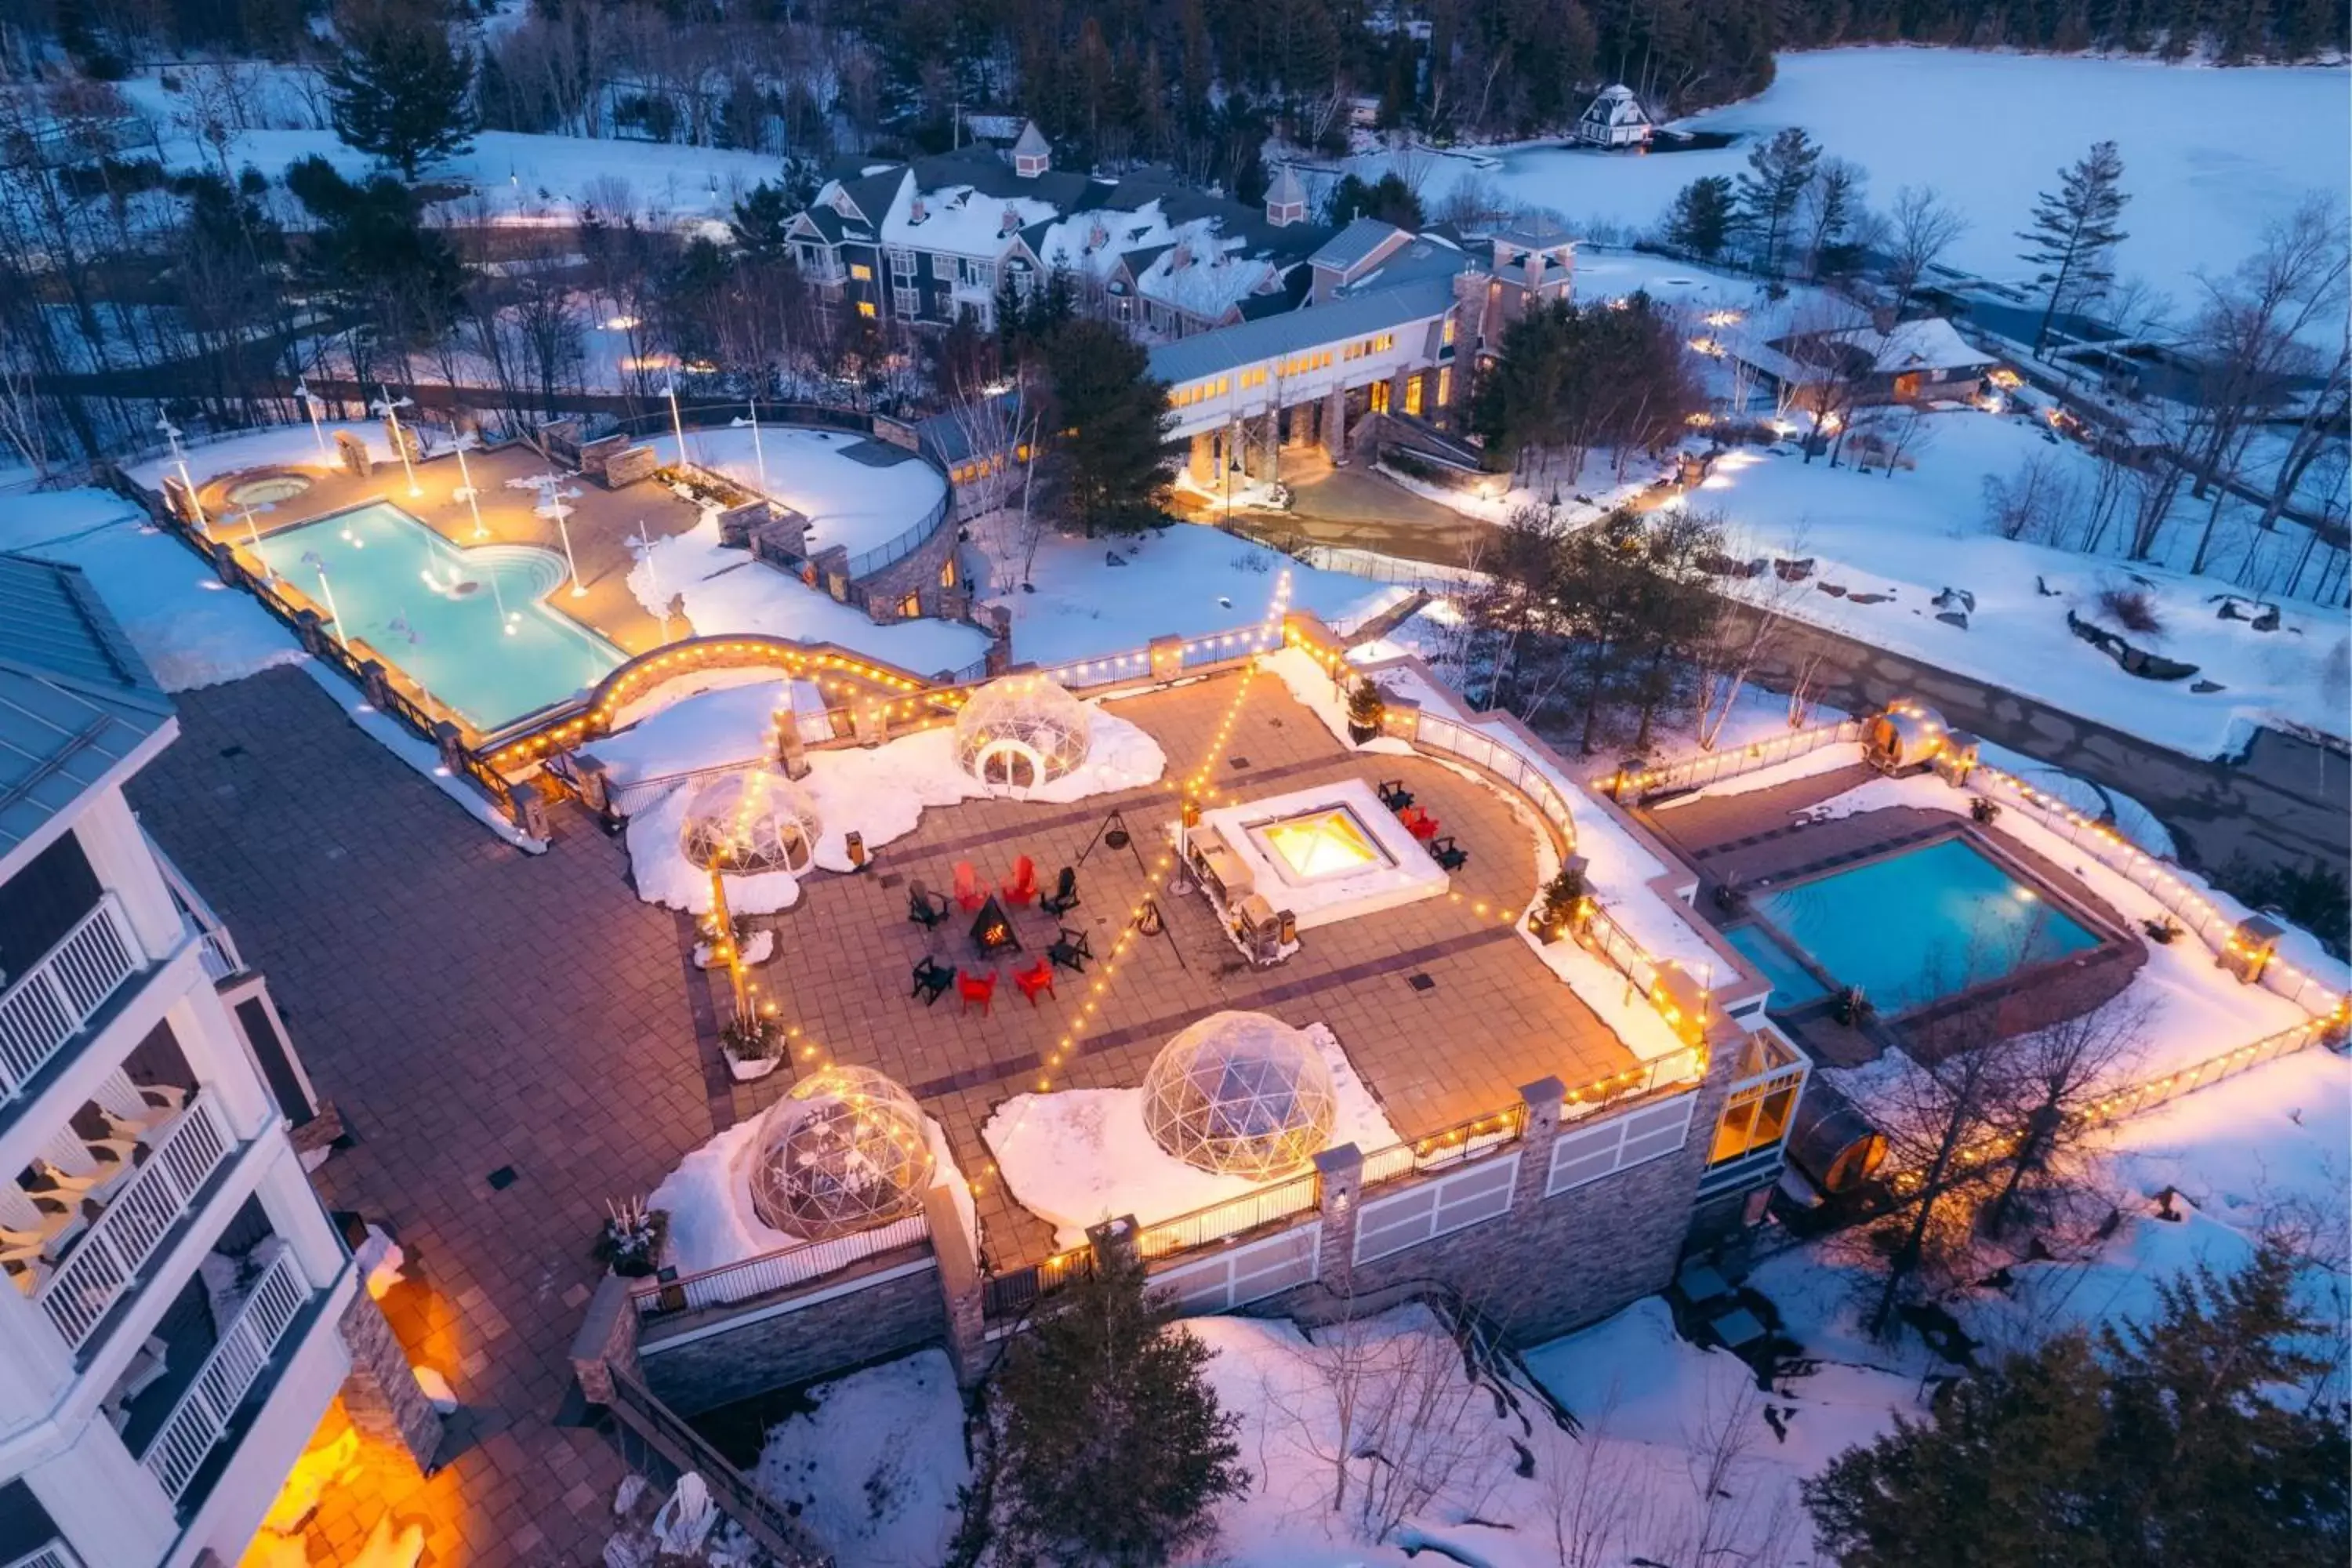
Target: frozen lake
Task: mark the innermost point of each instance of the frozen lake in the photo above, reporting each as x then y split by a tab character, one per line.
2209	155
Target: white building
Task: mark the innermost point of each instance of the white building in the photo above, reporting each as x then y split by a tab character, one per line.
1615	118
179	1312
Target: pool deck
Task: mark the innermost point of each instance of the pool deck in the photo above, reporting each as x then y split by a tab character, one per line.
602	523
1756	836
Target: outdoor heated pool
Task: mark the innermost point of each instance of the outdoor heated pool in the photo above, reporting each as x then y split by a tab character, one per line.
1793	984
434	610
1921	924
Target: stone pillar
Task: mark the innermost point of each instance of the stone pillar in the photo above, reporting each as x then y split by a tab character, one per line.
1341	1169
1396	391
1112	1240
607	1339
1167	659
1542	1099
1334	425
528	811
960	1287
595	784
1273	446
792	751
372	683
1400	717
871	722
225	563
450	741
999	647
306	629
381	1394
1201	460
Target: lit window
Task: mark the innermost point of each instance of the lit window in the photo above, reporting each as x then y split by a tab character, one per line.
1413	396
866	308
910	607
1449	333
1754	1118
1445	385
948	573
861	272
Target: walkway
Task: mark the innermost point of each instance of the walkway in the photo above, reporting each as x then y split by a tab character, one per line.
510	1042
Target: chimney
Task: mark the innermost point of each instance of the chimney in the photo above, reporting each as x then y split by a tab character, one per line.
1010	223
915	211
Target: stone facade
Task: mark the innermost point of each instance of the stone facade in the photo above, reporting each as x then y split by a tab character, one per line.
885	591
695	1367
381	1394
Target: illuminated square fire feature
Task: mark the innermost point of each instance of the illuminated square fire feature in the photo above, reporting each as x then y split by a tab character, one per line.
1327	854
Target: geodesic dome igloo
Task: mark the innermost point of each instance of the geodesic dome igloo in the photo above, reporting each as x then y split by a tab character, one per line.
1241	1094
843	1152
1021	731
749	821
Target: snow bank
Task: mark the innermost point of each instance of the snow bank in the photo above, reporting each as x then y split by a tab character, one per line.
275	447
873	1465
859	506
192	628
1078	1157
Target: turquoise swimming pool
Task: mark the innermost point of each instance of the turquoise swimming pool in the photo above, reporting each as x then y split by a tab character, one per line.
1793	984
435	610
1921	924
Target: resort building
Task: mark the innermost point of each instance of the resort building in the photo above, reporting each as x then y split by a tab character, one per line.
180	1312
1917	361
1614	119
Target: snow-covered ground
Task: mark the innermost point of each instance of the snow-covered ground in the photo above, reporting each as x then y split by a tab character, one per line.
1079	1156
859	506
1187	580
191	628
874	1464
1919	531
1987	131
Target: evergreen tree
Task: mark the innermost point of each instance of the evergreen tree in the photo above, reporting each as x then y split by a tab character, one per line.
2074	233
1112	1448
1777	173
2178	1443
1388	198
1700	219
400	89
1111	462
762	216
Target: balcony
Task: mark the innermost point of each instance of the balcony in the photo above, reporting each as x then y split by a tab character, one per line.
106	1259
221	957
206	1408
56	999
56	1554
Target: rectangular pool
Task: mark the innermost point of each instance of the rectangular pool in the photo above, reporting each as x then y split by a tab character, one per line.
1793	984
433	609
1922	924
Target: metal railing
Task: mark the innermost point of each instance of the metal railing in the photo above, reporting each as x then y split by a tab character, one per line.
1709	767
1455	1146
1014	1292
203	1416
867	563
56	1554
106	1262
61	994
1375	567
778	1270
778	1533
2131	1101
1219	1222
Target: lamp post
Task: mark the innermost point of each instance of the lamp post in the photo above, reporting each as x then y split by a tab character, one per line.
644	544
466	488
559	511
310	406
758	454
677	422
196	502
390	408
318	563
253	543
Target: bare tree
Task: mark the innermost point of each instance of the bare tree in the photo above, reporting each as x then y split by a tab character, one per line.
1932	1115
2054	1076
2033	503
1745	639
1920	227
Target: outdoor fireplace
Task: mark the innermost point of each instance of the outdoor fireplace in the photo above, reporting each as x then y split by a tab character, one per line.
992	930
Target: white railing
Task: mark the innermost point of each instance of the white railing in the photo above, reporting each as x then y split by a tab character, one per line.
56	1554
778	1270
202	1417
221	957
135	1221
48	1006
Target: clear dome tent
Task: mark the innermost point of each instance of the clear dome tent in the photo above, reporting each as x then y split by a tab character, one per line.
1241	1094
1021	731
843	1152
749	821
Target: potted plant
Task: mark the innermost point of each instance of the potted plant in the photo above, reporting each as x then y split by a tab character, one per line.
1854	1009
632	1239
1561	898
1364	710
1983	810
754	1045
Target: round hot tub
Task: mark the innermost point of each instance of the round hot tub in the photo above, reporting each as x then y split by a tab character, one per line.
268	490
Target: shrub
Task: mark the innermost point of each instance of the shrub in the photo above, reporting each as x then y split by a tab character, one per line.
2134	609
754	1039
1560	897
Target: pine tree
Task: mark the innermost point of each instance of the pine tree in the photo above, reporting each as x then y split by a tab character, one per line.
2177	1443
2074	233
400	89
1777	173
1108	468
1700	219
1112	1446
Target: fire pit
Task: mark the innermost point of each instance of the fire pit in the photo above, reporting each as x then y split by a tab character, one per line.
992	930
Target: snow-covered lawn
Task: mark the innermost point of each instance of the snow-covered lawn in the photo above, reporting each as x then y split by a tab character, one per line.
728	592
191	628
1079	1156
1919	532
859	506
1986	131
273	447
1188	580
874	1464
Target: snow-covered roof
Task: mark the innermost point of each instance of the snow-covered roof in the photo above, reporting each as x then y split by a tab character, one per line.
1090	244
1033	144
75	699
1933	343
1203	275
1355	245
961	220
1287	191
1247	342
1617	105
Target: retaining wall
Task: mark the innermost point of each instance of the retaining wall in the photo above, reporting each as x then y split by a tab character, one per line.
695	1365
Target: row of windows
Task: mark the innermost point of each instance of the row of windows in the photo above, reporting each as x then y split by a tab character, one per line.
1364	347
1186	396
1300	364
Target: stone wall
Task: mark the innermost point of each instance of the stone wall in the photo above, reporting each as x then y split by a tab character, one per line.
696	1367
917	573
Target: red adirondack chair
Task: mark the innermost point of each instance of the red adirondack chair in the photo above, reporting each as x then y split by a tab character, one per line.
979	988
1038	976
1021	891
970	894
1422	826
